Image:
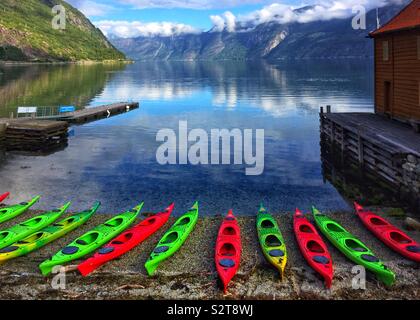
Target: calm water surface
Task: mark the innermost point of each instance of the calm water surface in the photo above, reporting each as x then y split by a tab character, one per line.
114	160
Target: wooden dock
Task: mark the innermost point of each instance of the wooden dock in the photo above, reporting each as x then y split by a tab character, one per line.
40	134
33	135
89	114
387	148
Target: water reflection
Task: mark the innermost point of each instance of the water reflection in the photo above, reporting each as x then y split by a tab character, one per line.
113	160
279	89
52	85
361	185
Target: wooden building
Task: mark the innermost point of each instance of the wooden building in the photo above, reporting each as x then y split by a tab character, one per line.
397	66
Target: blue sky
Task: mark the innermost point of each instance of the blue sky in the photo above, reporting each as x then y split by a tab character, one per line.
133	18
192	12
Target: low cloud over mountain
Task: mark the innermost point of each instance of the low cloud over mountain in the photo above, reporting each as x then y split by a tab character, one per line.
274	32
323	10
125	29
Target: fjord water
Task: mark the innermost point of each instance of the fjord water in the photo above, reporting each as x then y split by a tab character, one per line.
114	160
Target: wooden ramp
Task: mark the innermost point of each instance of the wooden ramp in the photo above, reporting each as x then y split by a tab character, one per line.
387	148
395	137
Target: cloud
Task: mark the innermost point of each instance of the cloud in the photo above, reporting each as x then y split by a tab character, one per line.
218	23
227	22
192	4
281	13
91	8
127	29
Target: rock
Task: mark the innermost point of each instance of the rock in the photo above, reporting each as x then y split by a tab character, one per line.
412	223
408	167
411	159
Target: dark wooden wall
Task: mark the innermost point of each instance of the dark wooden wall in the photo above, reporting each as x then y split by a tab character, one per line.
402	71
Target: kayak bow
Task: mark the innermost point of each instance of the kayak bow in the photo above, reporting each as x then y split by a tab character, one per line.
313	247
173	239
126	241
4	196
271	240
228	249
91	240
352	247
393	237
46	235
24	229
7	213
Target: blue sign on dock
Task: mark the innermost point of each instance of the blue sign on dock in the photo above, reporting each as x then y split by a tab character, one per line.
64	109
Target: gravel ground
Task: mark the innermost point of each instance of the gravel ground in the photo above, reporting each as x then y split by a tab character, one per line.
190	274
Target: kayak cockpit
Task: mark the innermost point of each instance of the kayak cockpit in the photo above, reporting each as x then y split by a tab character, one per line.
354	245
273	241
229	231
267	224
304	228
399	237
314	247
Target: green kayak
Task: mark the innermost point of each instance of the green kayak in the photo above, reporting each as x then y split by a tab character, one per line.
7	213
173	239
25	228
91	240
271	240
48	234
352	247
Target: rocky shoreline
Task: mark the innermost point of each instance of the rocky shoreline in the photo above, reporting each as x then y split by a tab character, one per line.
191	274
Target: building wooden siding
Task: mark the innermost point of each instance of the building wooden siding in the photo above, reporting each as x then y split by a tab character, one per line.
397	79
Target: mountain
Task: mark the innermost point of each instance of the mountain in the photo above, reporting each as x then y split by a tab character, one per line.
320	39
26	34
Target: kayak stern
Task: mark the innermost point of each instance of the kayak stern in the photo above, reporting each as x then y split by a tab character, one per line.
46	267
151	267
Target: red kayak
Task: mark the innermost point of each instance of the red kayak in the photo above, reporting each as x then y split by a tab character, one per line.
313	247
125	241
4	196
389	234
228	249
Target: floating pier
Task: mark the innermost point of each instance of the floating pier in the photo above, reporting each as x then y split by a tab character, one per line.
94	113
387	148
46	133
31	135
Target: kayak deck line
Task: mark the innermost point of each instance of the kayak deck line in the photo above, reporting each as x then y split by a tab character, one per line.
126	241
34	224
389	234
48	234
10	212
354	249
173	239
384	274
91	240
271	240
228	249
313	248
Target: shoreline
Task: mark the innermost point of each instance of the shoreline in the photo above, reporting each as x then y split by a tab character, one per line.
81	62
190	273
131	61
